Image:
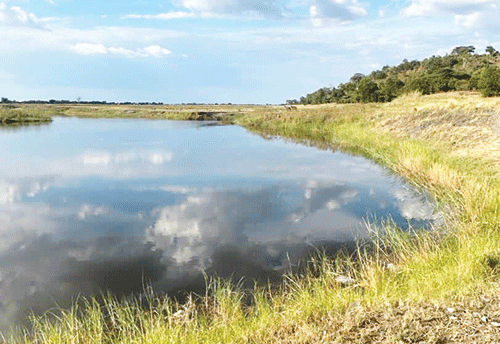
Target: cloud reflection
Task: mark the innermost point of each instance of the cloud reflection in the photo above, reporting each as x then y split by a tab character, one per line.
105	158
53	251
98	215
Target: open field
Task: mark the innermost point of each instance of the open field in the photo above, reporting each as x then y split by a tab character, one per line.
420	287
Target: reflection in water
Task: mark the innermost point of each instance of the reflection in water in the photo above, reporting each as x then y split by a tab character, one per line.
122	203
17	126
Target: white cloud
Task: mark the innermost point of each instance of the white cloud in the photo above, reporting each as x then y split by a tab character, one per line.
164	16
87	210
414	206
468	20
324	11
424	7
157	51
467	13
89	49
179	189
15	16
9	193
320	10
100	49
104	158
125	52
263	8
159	158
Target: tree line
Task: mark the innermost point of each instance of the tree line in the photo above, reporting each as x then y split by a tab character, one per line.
5	100
461	70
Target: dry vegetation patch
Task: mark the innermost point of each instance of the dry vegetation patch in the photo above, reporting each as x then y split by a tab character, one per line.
468	124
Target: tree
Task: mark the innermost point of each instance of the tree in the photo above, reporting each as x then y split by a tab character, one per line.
367	91
5	100
469	49
378	75
442	80
357	77
420	83
348	90
492	51
390	89
407	66
489	81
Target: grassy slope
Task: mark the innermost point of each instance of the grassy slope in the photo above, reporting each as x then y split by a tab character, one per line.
446	144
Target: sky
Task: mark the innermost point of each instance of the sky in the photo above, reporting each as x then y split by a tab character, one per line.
221	51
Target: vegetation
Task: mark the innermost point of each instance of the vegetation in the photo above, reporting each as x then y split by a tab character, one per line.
16	115
174	112
433	287
489	81
462	70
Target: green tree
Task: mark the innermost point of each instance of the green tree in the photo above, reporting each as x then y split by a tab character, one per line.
348	91
390	89
367	91
5	100
420	83
378	75
357	77
469	49
489	81
492	51
442	80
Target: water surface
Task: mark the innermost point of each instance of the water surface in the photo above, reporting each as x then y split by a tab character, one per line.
98	204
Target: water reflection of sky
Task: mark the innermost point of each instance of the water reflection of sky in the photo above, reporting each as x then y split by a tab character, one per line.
87	205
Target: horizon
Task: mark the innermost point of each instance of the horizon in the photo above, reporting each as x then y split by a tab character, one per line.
231	51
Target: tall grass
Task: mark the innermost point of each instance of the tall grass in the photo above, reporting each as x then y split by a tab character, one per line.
392	288
17	115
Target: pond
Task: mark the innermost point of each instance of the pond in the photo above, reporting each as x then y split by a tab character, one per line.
88	205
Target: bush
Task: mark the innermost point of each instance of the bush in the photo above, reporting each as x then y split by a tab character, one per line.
367	91
489	81
390	89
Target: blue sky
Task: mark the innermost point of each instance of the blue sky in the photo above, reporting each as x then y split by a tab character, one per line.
239	51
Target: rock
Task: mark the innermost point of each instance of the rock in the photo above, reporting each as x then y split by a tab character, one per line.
391	267
344	280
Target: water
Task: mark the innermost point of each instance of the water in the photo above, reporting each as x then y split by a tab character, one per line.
88	205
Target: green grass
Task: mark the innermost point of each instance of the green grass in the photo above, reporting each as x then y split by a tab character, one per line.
403	281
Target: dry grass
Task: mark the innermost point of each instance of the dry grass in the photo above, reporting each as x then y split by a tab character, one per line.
468	124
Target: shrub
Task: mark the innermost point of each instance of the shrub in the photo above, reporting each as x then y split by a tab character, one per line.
489	81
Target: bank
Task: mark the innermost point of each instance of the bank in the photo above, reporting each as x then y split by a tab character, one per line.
431	287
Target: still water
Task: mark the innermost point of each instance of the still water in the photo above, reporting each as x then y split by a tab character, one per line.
94	204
